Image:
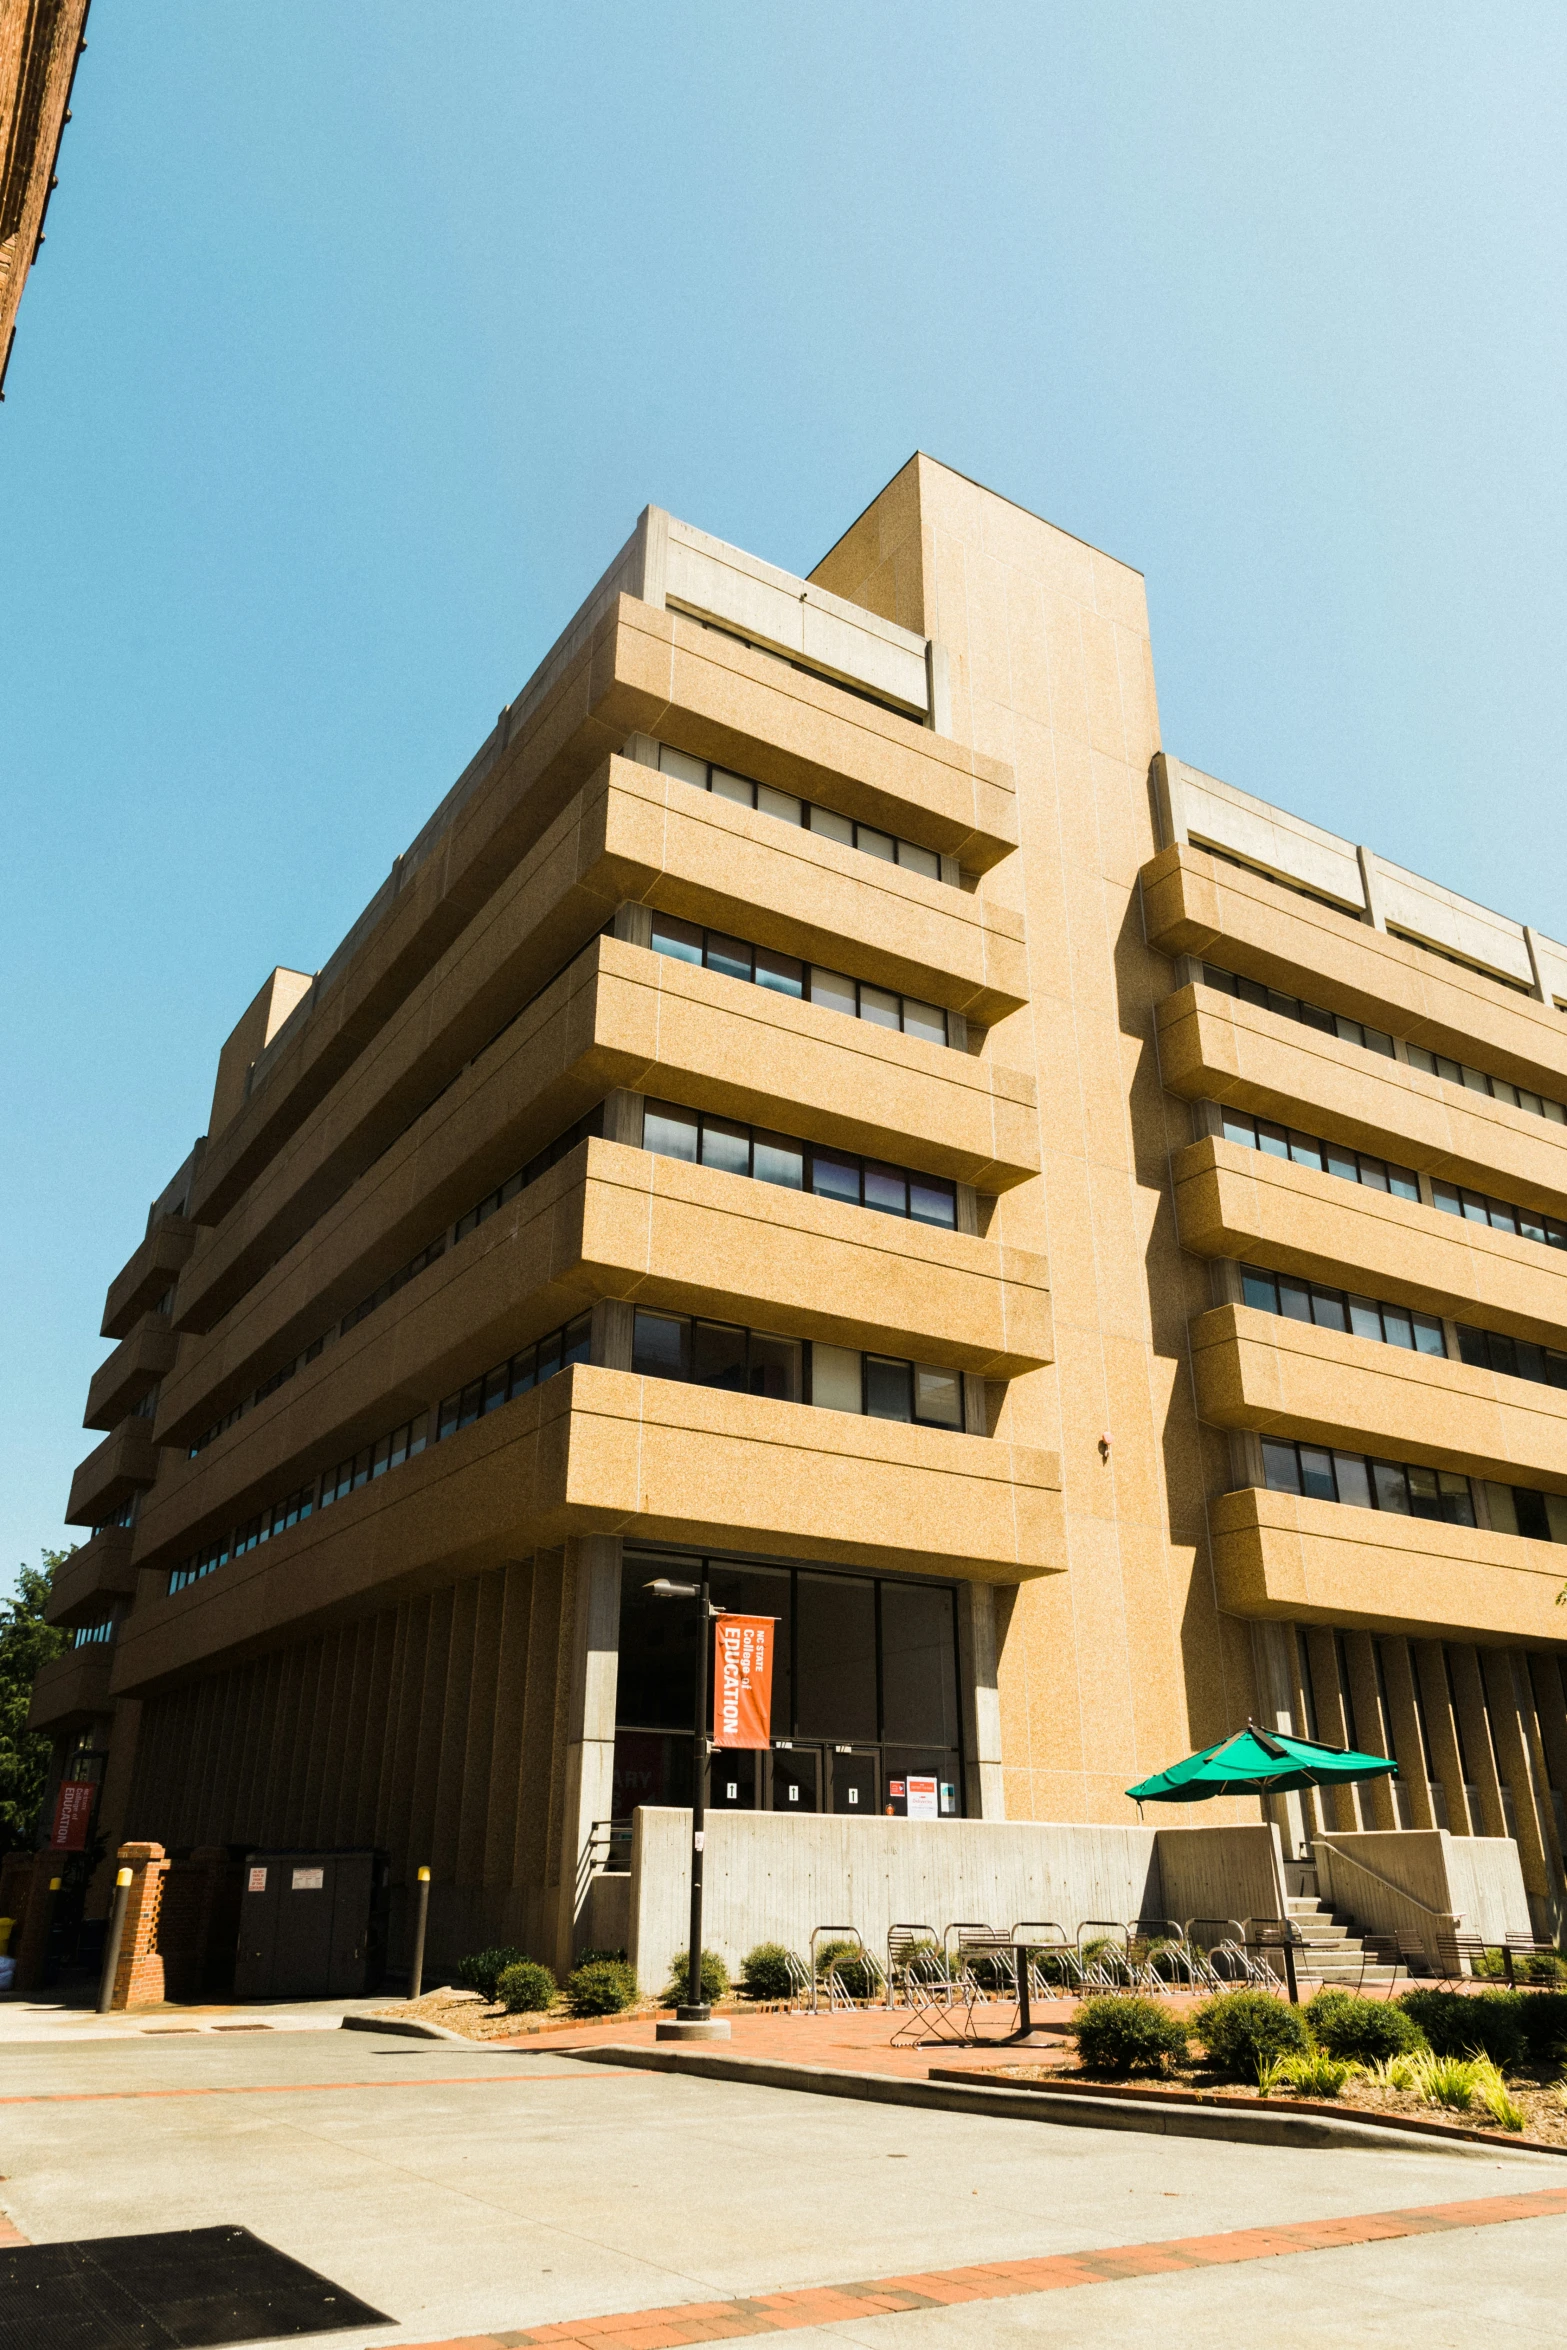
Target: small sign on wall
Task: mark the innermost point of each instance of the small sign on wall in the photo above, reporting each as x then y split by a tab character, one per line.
923	1803
256	1881
307	1880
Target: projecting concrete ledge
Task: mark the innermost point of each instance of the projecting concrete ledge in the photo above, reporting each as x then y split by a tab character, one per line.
1075	2109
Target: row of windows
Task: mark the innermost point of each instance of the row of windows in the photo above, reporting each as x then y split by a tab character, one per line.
861	693
1327	1158
674	1132
125	1515
1527	1223
387	1452
1364	1317
1460	1073
793	1370
363	1467
747	794
89	1635
527	1369
1320	1475
714	950
539	1164
1290	1007
1252	991
1409	1492
1336	1309
1514	1358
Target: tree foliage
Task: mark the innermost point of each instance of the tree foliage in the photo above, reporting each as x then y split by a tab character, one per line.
26	1644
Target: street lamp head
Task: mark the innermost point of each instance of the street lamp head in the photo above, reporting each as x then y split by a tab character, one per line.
662	1588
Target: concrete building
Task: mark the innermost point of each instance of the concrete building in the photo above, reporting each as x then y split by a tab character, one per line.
40	42
827	1093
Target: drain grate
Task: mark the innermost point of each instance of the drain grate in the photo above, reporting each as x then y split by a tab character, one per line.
183	2290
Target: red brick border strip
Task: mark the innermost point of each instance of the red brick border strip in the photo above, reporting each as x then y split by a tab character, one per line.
1000	2280
299	2088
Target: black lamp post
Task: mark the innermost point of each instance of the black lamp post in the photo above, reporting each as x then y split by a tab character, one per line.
696	2009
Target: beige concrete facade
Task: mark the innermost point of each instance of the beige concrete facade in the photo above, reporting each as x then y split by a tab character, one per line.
451	1144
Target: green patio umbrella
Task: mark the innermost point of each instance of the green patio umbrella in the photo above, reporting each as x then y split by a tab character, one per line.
1259	1762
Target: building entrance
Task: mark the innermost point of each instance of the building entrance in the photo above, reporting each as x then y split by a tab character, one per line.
865	1692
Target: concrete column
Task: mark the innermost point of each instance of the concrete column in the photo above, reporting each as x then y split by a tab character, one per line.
641	749
592	1672
1512	1755
957	1032
1427	1658
634	924
1407	1743
976	1404
651	566
1343	1813
938	686
1540	1783
1273	1655
967	1208
984	1790
1551	1712
623	1118
1371	883
1169	800
612	1330
1477	1740
1377	1794
1531	948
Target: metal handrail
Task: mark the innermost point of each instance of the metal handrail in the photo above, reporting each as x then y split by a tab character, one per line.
1444	1917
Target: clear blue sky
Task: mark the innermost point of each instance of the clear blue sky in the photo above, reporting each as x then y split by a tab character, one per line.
363	331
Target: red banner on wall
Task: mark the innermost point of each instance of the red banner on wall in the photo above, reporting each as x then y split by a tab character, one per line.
72	1815
743	1681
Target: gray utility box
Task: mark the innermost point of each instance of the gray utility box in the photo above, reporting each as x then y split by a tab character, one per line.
312	1925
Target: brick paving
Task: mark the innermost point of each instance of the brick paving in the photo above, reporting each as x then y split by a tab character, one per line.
1001	2280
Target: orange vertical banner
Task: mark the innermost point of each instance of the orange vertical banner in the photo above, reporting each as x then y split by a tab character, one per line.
743	1681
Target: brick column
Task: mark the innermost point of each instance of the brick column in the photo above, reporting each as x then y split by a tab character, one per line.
138	1979
30	1940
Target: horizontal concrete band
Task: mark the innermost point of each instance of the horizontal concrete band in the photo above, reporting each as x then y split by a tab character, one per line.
1002	2280
1076	2111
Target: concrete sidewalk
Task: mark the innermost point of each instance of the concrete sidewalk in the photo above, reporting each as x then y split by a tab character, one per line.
472	2193
58	2020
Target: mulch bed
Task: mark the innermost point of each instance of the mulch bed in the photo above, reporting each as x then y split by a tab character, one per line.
1546	2111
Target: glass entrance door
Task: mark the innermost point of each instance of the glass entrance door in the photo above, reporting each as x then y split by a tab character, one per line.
796	1776
855	1777
732	1775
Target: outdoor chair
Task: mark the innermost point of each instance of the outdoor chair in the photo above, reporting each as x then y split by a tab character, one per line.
914	1965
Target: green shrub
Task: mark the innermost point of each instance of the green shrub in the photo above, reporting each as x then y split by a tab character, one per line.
526	1988
603	1987
1315	2075
483	1969
1119	2036
1543	2020
715	1978
1541	1966
1456	2025
1361	2031
1241	2030
764	1972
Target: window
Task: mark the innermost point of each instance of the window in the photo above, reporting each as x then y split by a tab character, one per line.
89	1635
674	1132
1289	1007
793	1370
1319	1475
1513	1358
1523	1509
1324	1158
527	1369
1477	1208
865	1688
834	991
1252	991
540	1164
745	793
1336	1309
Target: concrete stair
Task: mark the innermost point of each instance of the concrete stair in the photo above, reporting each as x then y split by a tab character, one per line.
1334	1952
